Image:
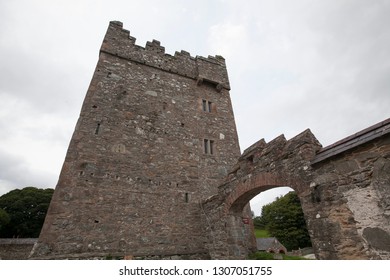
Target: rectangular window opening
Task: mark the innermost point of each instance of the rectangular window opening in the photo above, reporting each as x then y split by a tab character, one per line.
211	142
208	146
97	129
187	198
207	106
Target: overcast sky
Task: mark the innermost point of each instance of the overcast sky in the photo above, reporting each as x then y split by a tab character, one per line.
292	65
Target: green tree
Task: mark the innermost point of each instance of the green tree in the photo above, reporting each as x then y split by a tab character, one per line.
26	210
259	222
284	219
4	218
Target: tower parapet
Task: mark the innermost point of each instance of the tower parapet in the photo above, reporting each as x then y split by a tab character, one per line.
212	69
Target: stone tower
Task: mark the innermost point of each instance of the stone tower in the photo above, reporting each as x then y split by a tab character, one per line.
156	135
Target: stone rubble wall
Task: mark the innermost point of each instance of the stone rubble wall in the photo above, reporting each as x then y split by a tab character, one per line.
16	248
261	167
350	202
136	168
118	42
345	197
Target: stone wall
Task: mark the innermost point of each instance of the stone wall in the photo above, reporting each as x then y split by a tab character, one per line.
350	203
16	248
156	136
118	42
344	190
261	167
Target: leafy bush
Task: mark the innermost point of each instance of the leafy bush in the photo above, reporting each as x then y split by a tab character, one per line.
26	210
284	220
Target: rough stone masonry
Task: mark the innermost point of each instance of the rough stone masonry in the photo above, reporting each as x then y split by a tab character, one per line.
156	136
344	191
154	170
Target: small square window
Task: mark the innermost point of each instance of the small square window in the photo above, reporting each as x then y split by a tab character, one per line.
207	105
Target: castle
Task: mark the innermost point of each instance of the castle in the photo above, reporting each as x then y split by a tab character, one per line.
156	136
154	169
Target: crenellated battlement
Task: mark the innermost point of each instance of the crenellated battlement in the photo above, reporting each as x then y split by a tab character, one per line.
272	155
212	69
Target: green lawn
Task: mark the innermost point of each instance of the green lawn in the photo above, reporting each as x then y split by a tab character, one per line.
261	233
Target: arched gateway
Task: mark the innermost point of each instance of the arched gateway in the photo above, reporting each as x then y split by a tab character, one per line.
343	189
261	167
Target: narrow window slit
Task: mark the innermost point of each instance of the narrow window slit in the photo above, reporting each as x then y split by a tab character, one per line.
211	147
97	129
186	197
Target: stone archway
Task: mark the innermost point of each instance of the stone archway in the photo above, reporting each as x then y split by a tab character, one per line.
240	226
343	189
261	167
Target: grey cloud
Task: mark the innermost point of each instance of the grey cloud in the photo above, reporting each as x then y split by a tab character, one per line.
14	173
40	82
338	58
